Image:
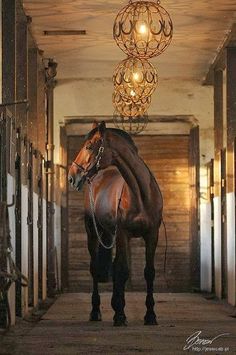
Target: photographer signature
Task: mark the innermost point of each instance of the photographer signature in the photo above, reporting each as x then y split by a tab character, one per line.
195	340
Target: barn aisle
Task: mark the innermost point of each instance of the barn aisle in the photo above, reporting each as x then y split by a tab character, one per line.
65	329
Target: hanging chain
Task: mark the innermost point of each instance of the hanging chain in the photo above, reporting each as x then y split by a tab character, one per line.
92	208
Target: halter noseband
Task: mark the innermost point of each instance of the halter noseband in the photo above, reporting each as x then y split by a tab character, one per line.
96	163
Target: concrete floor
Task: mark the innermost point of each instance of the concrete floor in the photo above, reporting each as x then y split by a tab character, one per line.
64	328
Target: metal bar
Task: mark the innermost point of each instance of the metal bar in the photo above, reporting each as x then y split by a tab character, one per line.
65	33
15	103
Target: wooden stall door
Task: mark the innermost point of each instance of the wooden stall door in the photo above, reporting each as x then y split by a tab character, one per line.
64	208
223	224
30	225
210	196
18	248
39	163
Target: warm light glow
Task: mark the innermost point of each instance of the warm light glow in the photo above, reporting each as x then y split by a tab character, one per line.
136	76
142	29
132	93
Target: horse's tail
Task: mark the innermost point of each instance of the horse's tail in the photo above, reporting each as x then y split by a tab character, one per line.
165	255
104	262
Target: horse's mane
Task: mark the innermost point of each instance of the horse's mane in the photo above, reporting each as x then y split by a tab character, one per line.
117	131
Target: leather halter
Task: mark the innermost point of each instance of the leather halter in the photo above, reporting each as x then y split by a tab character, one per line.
96	164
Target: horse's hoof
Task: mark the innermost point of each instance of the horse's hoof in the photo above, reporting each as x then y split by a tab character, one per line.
120	321
150	320
95	316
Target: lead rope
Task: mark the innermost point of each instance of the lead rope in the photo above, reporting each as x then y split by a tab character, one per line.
92	208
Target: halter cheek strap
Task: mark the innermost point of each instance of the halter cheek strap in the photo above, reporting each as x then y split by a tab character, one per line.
78	165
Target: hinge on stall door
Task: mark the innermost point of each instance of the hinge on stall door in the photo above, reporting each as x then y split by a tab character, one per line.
222	182
223	218
39	225
29	221
212	190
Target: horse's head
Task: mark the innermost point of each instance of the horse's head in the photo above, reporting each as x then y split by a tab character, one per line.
92	157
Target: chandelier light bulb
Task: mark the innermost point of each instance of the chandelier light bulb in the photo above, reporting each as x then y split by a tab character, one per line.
136	76
142	29
132	93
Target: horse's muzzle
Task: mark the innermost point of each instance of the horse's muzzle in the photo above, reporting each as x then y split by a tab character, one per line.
70	179
77	182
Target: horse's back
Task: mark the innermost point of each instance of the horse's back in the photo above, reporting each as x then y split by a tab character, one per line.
113	201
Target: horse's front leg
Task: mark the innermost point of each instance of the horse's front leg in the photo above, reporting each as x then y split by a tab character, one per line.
149	274
120	276
95	314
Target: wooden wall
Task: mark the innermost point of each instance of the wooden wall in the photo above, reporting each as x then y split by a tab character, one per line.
23	79
168	158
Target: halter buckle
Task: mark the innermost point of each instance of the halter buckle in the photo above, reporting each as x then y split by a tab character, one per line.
98	163
101	150
99	156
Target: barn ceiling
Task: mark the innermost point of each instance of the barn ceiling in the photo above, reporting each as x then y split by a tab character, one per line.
200	27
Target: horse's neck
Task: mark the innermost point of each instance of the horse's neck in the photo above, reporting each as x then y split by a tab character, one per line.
134	172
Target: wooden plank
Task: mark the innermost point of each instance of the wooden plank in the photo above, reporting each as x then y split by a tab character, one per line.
231	114
218	127
65	238
194	166
41	117
218	109
8	50
32	95
21	65
71	120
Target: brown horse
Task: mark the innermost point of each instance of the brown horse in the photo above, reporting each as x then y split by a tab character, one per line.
122	201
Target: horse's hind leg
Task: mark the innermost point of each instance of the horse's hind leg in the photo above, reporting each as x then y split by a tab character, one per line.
95	314
149	274
120	276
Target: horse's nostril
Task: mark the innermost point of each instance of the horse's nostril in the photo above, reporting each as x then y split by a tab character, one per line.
70	179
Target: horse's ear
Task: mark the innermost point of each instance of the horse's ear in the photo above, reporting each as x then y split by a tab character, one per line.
95	124
102	128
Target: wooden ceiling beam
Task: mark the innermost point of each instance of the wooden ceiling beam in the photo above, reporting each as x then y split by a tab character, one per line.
219	61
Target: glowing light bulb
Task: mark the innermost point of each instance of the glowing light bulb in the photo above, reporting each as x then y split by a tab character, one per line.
142	29
136	76
132	93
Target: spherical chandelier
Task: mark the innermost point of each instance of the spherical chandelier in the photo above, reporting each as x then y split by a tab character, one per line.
143	29
130	108
135	79
132	125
